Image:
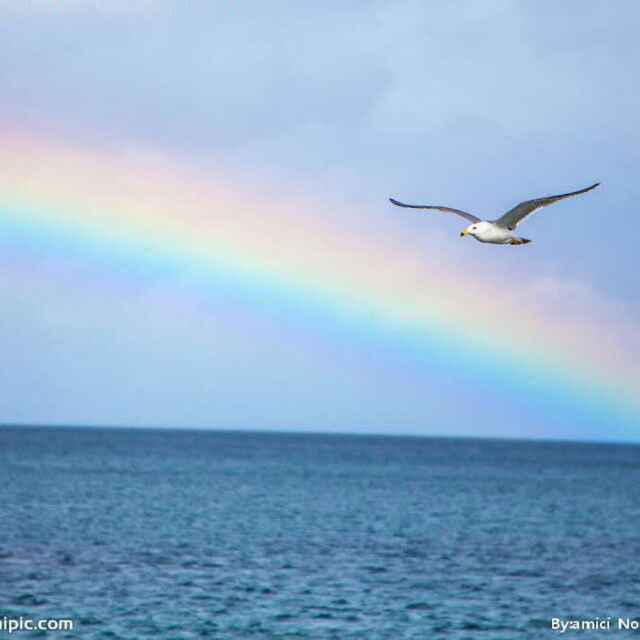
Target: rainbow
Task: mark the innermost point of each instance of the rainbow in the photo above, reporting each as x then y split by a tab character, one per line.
297	253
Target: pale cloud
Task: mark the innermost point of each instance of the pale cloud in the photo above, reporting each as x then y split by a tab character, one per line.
77	7
472	104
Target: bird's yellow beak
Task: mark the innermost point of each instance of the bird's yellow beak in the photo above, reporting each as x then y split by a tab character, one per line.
464	233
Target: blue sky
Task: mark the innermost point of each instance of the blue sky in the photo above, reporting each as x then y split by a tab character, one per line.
475	105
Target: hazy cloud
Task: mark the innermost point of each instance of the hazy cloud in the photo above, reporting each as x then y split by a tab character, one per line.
474	104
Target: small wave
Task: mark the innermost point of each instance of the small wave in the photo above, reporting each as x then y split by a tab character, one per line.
29	599
418	606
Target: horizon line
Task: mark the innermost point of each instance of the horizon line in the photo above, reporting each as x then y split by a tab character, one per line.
310	432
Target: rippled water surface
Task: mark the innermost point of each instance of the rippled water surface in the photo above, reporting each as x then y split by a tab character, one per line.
177	534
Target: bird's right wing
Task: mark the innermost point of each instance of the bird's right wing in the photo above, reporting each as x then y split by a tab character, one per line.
515	216
464	214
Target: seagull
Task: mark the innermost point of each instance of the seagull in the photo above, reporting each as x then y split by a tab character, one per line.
500	231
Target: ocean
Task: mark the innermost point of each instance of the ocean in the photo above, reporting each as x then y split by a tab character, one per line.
245	535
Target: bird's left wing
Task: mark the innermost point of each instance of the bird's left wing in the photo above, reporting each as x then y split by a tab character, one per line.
464	214
515	216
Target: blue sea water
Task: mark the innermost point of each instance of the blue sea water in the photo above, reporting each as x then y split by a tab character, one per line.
186	534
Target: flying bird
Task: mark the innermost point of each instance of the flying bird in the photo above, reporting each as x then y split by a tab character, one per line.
500	231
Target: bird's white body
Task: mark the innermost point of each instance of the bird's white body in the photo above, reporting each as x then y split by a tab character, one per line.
485	231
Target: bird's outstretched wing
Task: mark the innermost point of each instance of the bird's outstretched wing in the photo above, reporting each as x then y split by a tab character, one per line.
515	216
464	214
